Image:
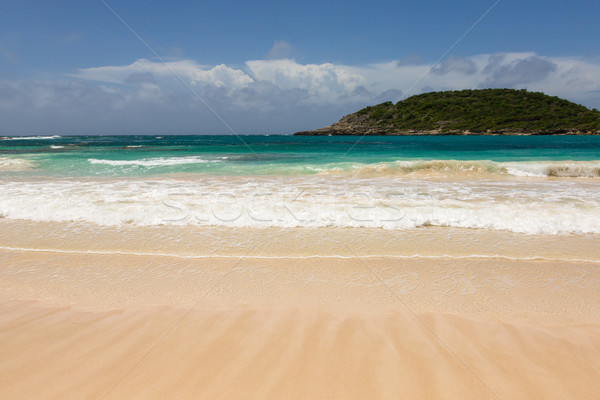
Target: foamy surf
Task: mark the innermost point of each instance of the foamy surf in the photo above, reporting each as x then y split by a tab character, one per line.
154	162
246	165
468	168
544	207
31	137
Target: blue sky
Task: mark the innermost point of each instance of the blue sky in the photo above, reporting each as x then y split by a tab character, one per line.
274	67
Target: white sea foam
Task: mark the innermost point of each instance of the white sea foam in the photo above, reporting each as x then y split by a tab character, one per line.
153	162
571	169
533	207
468	168
32	137
303	257
57	147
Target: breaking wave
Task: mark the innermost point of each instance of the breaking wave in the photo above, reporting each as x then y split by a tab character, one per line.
532	207
457	168
15	164
154	162
32	137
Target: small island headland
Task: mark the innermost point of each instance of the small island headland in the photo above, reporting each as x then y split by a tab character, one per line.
470	112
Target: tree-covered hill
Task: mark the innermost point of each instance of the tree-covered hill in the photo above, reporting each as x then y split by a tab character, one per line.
485	111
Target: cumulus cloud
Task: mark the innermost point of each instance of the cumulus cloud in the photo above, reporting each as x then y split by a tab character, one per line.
324	82
140	78
264	96
189	71
459	65
517	72
280	49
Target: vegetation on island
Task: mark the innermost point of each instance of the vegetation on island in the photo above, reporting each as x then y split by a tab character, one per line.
495	111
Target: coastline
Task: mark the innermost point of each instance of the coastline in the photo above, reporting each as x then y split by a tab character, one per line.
328	131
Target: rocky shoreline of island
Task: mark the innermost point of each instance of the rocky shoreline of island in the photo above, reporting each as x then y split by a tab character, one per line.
469	112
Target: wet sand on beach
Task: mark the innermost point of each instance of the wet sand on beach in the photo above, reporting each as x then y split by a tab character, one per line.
117	325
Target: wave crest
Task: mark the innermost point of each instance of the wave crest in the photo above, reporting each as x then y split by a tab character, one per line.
533	207
31	137
153	162
15	164
458	168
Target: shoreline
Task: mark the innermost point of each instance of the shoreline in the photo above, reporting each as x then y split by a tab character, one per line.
480	287
197	241
335	132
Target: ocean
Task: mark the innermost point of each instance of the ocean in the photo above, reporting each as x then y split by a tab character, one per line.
526	184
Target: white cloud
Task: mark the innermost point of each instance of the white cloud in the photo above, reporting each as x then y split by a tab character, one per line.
191	72
323	82
280	49
518	72
460	65
274	96
568	77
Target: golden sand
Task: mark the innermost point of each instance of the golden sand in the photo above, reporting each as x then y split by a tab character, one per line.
257	353
457	324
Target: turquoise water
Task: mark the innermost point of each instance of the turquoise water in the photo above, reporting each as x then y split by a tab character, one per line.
280	155
526	184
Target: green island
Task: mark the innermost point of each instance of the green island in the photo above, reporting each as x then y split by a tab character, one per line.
470	112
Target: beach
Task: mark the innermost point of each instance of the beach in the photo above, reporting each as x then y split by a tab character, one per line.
127	324
299	200
166	271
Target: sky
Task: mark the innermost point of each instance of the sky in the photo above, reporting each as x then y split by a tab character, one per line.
269	67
